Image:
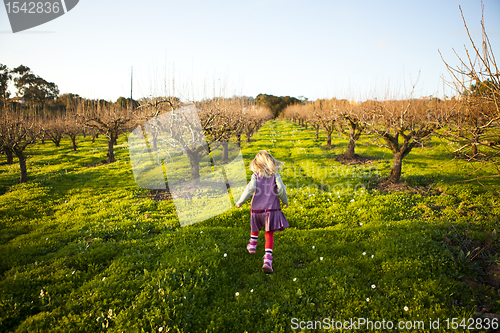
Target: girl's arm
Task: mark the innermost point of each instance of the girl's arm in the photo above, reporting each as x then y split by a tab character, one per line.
248	191
281	190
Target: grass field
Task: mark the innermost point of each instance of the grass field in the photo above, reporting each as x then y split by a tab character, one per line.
83	249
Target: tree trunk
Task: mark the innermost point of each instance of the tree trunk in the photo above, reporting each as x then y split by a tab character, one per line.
22	166
474	149
194	162
249	134
225	152
317	132
111	153
329	139
238	140
57	142
9	155
73	141
397	163
349	154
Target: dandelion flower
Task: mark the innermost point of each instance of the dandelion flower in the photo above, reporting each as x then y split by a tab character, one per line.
225	255
237	294
373	286
406	308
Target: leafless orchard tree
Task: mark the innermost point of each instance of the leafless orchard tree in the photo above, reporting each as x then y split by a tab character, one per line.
72	128
402	125
17	132
109	120
326	115
474	127
54	128
350	124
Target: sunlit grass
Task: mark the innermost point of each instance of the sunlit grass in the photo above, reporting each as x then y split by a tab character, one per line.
84	249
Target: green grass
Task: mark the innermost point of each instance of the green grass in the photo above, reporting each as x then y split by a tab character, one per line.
85	250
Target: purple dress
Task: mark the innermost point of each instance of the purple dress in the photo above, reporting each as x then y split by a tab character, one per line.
266	212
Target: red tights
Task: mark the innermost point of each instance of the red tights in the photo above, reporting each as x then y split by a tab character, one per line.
269	238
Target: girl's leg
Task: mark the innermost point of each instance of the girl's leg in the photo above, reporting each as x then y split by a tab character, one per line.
252	244
269	242
268	257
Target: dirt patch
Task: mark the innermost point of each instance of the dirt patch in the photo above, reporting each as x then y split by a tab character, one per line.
102	162
384	185
160	195
357	160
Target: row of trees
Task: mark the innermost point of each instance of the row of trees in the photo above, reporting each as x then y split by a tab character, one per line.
469	123
400	125
222	120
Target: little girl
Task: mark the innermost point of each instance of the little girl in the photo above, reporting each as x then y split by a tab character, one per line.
266	185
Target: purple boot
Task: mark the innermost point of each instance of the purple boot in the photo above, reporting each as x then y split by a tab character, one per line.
252	246
268	263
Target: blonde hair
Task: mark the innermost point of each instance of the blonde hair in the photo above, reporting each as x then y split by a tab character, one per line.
265	165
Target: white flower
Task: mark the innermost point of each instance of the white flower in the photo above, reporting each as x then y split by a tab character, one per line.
294	279
104	278
406	308
46	239
160	329
237	294
364	253
201	232
314	247
251	291
225	255
320	258
361	223
352	200
373	256
367	299
373	286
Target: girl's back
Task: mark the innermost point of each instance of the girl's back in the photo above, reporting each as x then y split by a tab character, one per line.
265	196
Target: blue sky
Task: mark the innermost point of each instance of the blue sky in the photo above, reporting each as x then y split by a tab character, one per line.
194	49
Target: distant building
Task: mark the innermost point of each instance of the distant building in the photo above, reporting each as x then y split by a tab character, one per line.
19	100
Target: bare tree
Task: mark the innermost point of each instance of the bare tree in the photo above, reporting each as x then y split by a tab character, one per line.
109	120
474	126
402	125
72	128
17	132
53	127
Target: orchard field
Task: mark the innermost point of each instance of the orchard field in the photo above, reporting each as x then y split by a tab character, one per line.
83	249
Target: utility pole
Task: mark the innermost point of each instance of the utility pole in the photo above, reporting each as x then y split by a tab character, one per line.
131	85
